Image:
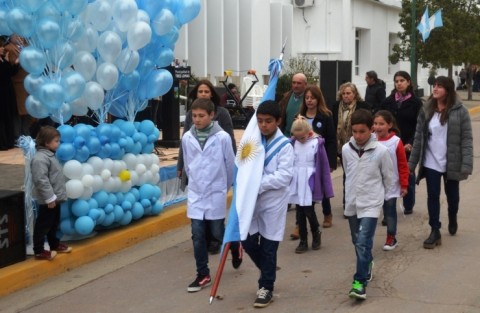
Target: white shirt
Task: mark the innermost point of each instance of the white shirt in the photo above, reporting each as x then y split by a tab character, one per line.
436	152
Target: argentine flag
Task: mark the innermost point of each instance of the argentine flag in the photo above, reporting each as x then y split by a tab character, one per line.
249	163
428	24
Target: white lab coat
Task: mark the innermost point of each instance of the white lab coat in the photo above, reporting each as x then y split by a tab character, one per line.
209	172
272	201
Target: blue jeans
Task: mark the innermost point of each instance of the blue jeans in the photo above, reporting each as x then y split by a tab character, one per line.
263	253
409	199
217	227
452	191
390	214
362	231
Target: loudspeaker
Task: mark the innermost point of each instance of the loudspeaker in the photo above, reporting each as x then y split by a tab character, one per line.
12	227
332	75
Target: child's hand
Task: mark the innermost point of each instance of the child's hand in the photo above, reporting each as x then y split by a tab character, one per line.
179	174
51	205
403	192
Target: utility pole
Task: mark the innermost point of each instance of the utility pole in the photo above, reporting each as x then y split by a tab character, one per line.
413	44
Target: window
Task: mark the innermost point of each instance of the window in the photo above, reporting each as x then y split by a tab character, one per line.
357	52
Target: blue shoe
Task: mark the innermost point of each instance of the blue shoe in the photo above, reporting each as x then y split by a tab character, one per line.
357	291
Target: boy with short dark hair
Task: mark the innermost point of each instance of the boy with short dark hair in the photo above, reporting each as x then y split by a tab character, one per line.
269	216
209	163
368	169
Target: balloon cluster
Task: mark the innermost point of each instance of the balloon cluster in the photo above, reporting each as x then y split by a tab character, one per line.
102	55
112	174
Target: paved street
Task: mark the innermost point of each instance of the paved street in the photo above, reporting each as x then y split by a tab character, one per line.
152	276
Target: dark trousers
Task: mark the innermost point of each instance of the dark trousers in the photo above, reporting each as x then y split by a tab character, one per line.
452	190
46	224
304	213
263	253
326	206
409	199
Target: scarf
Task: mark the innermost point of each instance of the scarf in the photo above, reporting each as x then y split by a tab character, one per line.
344	128
399	98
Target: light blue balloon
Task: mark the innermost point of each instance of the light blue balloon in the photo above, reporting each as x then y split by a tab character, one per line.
165	57
163	22
146	127
72	6
148	148
80	207
63	114
31	5
51	95
67	226
67	133
147	191
157	208
21	22
126	218
84	225
48	32
109	219
65	152
4	28
101	197
146	203
109	208
73	85
101	218
32	83
35	108
159	83
137	211
33	60
150	6
118	212
170	38
130	81
82	154
93	145
188	10
48	12
94	214
82	130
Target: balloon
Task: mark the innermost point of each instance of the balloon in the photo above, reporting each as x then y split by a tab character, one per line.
126	218
32	83
137	211
165	57
109	45
74	188
84	225
99	14
73	85
88	40
67	226
79	107
94	95
62	55
143	16
73	169
49	12
85	64
20	22
80	207
31	5
159	82
35	107
188	10
124	14
62	115
51	95
72	6
48	32
67	133
33	60
4	28
107	75
65	152
130	81
139	35
127	61
163	22
170	38
124	175
147	191
157	208
72	29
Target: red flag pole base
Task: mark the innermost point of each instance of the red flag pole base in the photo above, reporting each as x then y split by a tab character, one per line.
218	276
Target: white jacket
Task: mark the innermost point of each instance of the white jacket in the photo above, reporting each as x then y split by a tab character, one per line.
367	178
209	172
272	201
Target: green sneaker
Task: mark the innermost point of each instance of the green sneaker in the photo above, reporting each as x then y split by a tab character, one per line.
357	291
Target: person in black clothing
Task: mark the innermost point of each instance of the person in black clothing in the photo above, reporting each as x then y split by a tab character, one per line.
348	101
375	93
405	107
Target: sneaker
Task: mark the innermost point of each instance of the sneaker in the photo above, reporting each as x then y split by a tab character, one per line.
46	255
391	243
237	256
199	283
357	291
62	248
264	297
370	271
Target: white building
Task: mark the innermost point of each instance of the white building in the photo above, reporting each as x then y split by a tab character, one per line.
244	34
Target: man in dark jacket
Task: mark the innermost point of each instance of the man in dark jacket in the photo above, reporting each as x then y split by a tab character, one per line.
375	92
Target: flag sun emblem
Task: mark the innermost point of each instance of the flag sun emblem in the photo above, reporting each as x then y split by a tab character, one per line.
247	150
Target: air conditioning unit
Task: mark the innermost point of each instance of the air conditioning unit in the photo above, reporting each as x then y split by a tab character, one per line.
303	3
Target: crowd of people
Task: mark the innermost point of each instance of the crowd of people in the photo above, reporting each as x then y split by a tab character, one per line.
379	142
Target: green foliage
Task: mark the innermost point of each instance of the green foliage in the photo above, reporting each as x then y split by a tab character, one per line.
301	64
457	42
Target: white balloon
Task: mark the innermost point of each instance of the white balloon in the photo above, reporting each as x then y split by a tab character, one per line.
99	14
73	169
74	188
117	167
126	186
108	164
140	169
85	64
87	169
134	178
163	22
109	45
139	35
124	13
79	107
143	16
94	95
87	41
96	163
87	193
109	185
130	160
97	183
127	61
107	75
105	174
88	180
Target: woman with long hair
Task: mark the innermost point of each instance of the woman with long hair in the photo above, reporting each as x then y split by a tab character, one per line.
443	147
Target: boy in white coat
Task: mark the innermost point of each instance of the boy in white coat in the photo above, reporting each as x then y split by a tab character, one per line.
209	164
268	221
368	169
